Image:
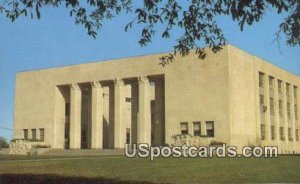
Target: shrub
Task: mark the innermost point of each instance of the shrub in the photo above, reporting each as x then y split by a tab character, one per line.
3	143
19	147
188	140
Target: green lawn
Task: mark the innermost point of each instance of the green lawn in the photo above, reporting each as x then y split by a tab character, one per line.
162	170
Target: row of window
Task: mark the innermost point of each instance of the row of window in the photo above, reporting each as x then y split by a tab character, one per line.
210	129
280	105
281	133
34	135
279	82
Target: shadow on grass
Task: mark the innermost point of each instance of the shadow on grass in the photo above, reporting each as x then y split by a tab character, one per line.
56	179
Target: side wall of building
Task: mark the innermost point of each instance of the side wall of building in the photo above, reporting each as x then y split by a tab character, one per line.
270	90
197	91
243	130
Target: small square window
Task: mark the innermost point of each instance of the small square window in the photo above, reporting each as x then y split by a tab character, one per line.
261	79
290	134
273	132
279	86
296	111
288	109
287	89
184	128
210	129
25	133
127	99
280	108
197	128
42	134
272	111
263	132
281	132
33	134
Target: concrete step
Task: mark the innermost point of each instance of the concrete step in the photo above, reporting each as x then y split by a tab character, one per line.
84	152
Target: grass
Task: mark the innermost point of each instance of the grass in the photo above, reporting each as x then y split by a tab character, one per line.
118	169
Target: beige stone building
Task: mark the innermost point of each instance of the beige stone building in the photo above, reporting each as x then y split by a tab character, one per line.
231	96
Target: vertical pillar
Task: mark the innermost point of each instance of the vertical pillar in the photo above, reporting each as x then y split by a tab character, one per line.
268	116
276	111
159	112
97	115
119	101
75	116
144	114
134	111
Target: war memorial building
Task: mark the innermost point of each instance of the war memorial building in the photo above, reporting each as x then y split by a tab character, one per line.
231	97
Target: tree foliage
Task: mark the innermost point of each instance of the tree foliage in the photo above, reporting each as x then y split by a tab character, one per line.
3	143
196	18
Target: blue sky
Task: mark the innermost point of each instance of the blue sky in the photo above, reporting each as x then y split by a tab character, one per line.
55	40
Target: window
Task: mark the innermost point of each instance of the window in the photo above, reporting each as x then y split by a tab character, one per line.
42	134
127	99
280	108
261	79
297	135
210	132
273	132
287	89
261	103
261	100
33	134
197	128
288	109
295	93
296	111
290	134
281	132
67	109
25	133
127	135
279	86
263	132
184	128
272	106
271	79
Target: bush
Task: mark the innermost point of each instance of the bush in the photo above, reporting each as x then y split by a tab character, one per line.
188	140
3	143
19	147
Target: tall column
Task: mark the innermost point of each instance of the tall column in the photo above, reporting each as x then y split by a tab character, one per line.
119	101
134	111
276	111
144	116
159	113
75	116
97	115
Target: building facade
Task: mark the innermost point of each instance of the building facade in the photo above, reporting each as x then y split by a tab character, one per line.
231	97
